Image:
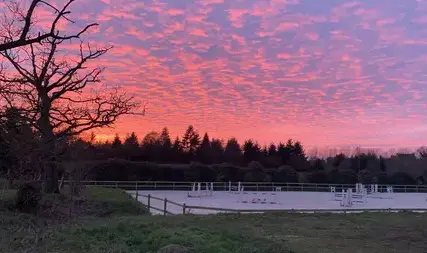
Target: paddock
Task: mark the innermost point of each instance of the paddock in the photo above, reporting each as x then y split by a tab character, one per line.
315	201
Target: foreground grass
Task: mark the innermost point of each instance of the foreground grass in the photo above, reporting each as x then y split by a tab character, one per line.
120	230
271	233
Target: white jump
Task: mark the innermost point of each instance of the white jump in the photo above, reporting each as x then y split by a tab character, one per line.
235	189
197	192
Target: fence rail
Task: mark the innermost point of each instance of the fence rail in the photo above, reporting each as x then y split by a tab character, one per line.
249	186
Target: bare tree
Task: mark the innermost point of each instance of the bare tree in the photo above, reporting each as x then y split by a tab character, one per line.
49	89
17	26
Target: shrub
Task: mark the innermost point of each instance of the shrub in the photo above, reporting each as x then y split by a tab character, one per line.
347	176
402	178
366	177
318	177
28	197
256	166
286	173
227	171
345	164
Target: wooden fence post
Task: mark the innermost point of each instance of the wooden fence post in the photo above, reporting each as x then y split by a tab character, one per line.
117	184
149	202
165	207
136	191
183	208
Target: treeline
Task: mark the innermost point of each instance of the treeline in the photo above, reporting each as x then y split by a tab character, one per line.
192	157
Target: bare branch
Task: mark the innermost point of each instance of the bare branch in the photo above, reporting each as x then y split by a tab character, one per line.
24	36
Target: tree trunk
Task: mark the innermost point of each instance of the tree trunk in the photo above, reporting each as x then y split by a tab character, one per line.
9	183
50	166
51	179
48	140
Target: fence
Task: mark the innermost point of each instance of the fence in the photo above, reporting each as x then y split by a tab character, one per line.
185	208
249	186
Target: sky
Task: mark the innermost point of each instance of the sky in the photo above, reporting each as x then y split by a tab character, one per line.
328	73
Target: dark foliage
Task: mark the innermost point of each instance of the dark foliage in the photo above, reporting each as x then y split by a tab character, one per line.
157	158
28	197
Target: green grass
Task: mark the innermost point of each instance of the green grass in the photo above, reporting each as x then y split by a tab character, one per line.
270	233
122	231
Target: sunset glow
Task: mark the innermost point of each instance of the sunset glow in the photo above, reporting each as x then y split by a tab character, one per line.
327	73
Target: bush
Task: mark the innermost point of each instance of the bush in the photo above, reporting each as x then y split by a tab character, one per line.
28	198
255	166
287	174
345	164
318	177
402	178
347	176
228	172
367	177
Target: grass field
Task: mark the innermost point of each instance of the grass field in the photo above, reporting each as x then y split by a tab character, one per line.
120	230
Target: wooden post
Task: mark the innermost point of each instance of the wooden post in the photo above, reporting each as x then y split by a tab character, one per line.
116	184
136	190
183	208
165	207
149	202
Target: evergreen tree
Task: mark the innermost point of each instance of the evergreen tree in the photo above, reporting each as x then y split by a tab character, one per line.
165	139
166	146
177	151
251	151
204	152
298	150
117	143
217	151
131	147
190	141
233	152
131	141
272	150
284	152
264	151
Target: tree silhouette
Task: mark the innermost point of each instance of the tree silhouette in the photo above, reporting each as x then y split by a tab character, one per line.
204	153
166	145
46	87
190	142
217	151
272	150
284	152
177	150
233	152
251	151
117	143
18	147
131	147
